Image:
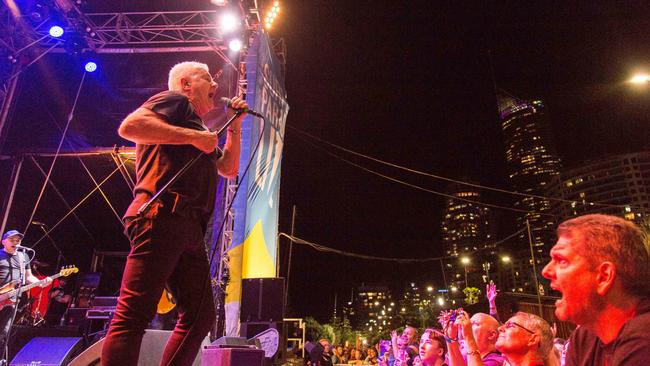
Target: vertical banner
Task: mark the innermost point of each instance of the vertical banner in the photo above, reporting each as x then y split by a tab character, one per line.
253	251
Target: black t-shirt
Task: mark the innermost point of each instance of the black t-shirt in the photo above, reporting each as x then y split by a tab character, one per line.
630	348
10	267
194	192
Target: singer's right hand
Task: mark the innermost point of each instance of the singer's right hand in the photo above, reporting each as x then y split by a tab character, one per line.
205	141
236	103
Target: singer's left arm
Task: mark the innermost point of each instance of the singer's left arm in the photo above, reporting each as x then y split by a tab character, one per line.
228	163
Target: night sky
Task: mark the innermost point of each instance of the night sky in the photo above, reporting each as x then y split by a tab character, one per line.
410	82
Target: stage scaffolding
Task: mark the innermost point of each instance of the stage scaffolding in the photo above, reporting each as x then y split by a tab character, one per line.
120	33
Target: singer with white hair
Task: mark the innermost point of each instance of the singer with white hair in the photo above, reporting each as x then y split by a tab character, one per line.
167	248
14	272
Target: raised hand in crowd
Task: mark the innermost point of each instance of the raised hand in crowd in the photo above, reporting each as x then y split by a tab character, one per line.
446	320
554	329
491	292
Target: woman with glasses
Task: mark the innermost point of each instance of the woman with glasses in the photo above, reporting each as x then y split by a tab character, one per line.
526	340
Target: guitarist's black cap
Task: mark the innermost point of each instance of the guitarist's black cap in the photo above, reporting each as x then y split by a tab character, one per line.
12	233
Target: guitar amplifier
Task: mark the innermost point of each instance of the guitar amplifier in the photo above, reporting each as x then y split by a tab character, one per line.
103	308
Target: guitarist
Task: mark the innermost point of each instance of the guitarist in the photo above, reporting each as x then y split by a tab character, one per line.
11	260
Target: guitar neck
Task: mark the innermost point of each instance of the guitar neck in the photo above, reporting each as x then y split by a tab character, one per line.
31	286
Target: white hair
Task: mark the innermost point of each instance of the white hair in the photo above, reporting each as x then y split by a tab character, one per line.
181	70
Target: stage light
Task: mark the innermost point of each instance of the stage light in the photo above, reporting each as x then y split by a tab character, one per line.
56	31
640	79
90	66
229	23
271	15
219	2
235	45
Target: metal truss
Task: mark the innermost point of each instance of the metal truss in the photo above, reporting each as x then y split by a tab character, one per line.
179	31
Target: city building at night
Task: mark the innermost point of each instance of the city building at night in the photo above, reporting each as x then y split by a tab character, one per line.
466	234
616	185
533	167
372	307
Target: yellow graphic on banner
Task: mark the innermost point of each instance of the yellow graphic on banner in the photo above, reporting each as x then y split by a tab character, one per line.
249	260
256	260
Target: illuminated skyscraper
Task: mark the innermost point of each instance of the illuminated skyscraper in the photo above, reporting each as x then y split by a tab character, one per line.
465	225
465	229
533	166
620	181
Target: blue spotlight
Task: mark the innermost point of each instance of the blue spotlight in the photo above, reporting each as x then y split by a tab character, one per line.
56	31
90	66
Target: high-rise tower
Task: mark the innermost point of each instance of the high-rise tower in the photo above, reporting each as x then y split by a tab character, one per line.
465	229
533	165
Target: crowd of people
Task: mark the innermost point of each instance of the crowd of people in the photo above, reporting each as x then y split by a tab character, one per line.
600	265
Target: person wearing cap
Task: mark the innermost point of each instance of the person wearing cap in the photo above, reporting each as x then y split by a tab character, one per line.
11	260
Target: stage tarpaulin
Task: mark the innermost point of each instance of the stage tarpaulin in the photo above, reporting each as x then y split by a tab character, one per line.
253	250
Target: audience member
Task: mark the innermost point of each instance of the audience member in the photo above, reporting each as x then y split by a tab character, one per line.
600	264
337	354
371	358
400	355
433	349
525	340
356	357
480	335
411	335
320	354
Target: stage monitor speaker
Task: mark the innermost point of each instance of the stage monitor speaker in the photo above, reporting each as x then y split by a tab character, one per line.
151	350
22	334
251	329
48	351
262	300
215	356
231	342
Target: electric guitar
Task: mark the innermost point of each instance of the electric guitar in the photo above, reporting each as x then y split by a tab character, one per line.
9	291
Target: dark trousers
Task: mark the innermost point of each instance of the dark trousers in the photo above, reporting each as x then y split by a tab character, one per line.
5	326
164	249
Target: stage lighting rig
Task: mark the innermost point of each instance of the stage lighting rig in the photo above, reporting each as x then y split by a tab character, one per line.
90	66
56	31
235	45
271	15
229	23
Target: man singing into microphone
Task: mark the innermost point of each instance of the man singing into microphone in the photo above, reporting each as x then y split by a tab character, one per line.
13	263
167	246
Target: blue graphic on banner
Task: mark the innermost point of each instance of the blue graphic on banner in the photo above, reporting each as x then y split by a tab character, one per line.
253	249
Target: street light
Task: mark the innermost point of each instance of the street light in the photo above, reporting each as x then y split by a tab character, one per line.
465	261
640	79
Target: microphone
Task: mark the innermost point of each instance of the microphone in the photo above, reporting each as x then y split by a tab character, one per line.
20	247
228	103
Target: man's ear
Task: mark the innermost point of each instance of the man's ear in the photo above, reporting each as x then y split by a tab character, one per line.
494	335
185	84
534	339
605	277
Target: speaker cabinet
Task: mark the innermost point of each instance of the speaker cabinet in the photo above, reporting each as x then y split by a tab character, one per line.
215	356
151	350
262	300
48	351
251	329
22	334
